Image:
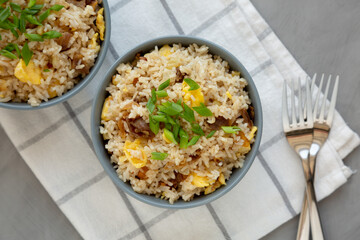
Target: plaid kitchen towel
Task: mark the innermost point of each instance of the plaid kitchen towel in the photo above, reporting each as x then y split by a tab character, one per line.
55	142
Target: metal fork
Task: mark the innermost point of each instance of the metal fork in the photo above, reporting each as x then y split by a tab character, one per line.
322	127
299	134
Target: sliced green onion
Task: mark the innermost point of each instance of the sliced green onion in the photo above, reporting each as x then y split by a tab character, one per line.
8	54
202	110
184	138
169	135
31	19
30	11
31	3
4	14
193	140
168	126
164	85
197	129
34	37
57	7
22	23
26	53
161	93
150	106
170	120
230	129
15	20
51	34
14	32
211	134
176	129
170	108
159	156
44	15
3	1
46	70
154	125
15	7
193	85
160	118
188	114
179	101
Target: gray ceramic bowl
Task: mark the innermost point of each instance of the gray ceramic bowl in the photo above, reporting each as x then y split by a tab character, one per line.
82	83
103	155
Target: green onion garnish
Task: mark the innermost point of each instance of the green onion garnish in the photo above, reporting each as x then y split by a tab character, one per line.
15	7
193	85
230	129
31	3
193	140
51	34
176	129
44	15
170	108
159	156
150	106
34	37
31	19
169	135
161	93
8	54
202	110
184	138
211	134
57	7
160	118
164	85
188	114
4	14
46	70
154	125
26	53
197	129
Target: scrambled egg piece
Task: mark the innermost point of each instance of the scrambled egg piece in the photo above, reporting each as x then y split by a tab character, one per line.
165	51
166	139
52	93
235	73
195	97
93	41
29	73
229	95
106	108
252	132
200	181
100	23
135	154
245	148
220	181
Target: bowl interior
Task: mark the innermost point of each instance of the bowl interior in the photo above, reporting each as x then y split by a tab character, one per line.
83	82
99	143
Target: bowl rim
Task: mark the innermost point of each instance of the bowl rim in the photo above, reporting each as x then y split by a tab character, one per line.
83	82
98	142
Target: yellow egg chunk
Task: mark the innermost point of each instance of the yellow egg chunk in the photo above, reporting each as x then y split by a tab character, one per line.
229	95
165	138
222	179
199	181
195	97
93	41
235	73
212	188
29	73
100	23
106	109
165	51
252	132
135	154
245	148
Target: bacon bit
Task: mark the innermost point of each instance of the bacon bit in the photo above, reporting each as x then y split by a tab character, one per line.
135	81
246	117
49	65
64	41
121	127
142	173
163	184
179	76
219	121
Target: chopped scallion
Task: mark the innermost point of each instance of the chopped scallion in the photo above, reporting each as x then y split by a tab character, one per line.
230	129
164	85
202	110
161	93
193	85
169	135
194	140
158	156
211	134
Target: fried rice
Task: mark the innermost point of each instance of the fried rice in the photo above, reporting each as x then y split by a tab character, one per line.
58	63
184	172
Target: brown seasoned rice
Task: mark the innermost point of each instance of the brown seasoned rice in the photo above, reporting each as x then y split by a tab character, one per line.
200	168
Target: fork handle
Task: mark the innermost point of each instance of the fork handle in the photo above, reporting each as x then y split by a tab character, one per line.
303	232
315	222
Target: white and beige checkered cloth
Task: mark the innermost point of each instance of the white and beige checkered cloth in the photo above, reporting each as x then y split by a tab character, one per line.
56	145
